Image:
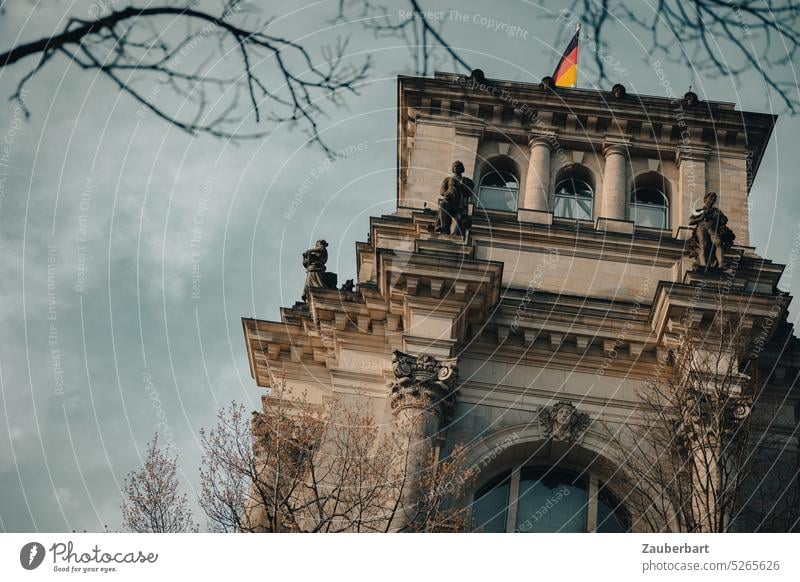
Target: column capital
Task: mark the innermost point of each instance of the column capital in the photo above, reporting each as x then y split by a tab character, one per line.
424	383
615	145
543	137
695	153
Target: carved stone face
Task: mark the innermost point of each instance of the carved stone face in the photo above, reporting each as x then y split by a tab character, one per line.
711	199
458	167
563	416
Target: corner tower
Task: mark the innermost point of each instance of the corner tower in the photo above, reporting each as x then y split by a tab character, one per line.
570	286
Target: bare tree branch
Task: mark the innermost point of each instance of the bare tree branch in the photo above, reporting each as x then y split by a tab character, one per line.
283	82
718	38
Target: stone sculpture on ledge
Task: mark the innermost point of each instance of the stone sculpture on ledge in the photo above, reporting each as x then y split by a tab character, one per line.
317	276
712	237
454	198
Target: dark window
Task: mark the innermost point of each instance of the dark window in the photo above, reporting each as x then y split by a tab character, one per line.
612	517
574	199
551	500
649	207
490	510
498	190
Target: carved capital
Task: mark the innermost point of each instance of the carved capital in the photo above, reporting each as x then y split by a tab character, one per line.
423	382
563	422
714	415
613	146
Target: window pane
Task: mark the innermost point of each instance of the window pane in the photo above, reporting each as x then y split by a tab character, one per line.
491	508
565	207
491	198
652	216
551	500
612	517
584	208
570	207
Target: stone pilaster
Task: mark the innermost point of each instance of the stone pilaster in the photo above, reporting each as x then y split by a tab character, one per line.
537	181
691	162
615	180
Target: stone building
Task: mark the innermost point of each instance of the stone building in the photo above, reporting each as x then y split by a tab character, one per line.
566	290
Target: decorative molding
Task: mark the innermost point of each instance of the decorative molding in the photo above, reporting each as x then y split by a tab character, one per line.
563	422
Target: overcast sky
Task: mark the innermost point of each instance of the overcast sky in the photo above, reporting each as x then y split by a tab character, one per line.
106	215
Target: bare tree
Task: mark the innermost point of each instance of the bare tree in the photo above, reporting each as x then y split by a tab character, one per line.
207	61
718	38
152	500
691	452
301	468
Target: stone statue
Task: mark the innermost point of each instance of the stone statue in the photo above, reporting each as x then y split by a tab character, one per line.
349	286
712	237
454	198
317	276
562	421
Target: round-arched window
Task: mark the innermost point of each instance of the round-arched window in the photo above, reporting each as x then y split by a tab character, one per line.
574	199
498	189
649	204
547	500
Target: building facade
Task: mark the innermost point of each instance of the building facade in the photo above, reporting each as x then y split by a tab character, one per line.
554	291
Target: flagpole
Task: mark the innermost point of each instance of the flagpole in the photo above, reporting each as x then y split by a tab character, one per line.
578	56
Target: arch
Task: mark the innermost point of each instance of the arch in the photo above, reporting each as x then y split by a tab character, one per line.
498	185
650	200
574	192
497	455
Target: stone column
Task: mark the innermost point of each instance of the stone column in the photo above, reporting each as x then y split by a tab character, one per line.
615	180
422	396
537	181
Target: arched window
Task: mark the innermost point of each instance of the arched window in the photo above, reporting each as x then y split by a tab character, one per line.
574	197
549	499
499	186
649	204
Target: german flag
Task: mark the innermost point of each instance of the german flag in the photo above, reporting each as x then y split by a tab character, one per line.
566	74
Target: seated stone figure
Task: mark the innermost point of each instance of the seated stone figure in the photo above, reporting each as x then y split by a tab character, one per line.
317	275
712	237
454	198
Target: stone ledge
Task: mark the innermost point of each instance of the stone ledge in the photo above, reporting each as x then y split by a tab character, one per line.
614	225
535	216
684	232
